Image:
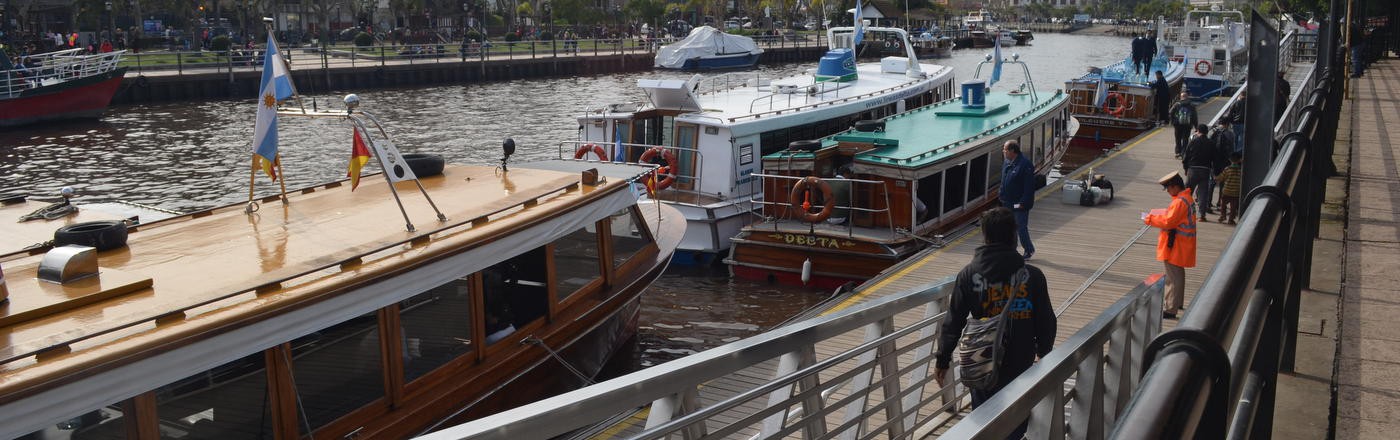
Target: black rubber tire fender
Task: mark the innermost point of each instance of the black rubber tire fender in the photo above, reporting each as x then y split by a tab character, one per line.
103	235
424	165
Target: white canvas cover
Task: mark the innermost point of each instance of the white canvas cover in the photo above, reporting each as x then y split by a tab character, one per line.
704	41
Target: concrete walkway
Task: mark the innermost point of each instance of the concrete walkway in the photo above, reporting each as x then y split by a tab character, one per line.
1347	379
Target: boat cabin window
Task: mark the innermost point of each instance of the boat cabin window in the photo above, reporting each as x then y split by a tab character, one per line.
954	187
337	370
437	327
931	193
997	160
629	236
977	178
516	293
576	261
227	401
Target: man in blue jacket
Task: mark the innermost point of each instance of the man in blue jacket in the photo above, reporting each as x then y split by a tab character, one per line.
1018	191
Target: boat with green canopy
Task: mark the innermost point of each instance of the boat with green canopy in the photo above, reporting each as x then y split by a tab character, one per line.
850	205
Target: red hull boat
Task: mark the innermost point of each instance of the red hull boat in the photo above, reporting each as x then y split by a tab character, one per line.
57	86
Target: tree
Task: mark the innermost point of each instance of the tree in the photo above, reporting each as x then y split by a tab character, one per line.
646	11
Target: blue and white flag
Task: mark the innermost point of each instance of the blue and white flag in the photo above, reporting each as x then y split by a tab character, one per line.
276	86
860	30
1100	93
619	153
996	55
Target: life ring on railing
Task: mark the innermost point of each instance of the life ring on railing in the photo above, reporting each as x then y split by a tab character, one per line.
669	177
1115	104
597	150
800	198
1203	67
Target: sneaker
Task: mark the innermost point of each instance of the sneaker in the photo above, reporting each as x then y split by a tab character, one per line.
1168	315
1028	256
1232	222
1205	219
1222	220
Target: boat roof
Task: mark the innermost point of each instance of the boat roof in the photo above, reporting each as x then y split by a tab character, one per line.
922	137
1122	72
743	97
323	239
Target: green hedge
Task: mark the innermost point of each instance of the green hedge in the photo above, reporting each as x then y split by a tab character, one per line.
364	39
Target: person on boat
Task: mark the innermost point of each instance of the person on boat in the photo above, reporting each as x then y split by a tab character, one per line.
1176	242
981	287
1018	191
106	46
1199	160
1161	98
1138	53
1183	114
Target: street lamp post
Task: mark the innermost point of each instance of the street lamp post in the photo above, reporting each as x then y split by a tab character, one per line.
111	23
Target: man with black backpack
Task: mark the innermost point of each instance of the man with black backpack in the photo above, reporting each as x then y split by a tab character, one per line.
1010	305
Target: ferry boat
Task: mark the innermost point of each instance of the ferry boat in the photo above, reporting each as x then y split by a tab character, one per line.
1114	104
932	44
65	84
707	48
851	205
366	309
713	132
1214	47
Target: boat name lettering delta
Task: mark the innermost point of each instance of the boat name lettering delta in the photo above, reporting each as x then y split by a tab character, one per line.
811	240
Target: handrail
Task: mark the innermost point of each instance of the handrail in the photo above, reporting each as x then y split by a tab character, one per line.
1202	378
568	148
673	391
758	203
55	67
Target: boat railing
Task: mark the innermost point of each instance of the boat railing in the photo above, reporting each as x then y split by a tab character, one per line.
687	186
55	67
773	211
847	99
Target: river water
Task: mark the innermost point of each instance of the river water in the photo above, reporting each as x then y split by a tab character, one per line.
194	155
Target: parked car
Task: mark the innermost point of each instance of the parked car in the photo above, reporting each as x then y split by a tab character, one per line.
731	25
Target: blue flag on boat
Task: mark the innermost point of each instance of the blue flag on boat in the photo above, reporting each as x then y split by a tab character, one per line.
619	153
276	86
860	32
996	55
1100	93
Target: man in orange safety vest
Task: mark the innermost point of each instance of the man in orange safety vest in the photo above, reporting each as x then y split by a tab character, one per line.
1176	243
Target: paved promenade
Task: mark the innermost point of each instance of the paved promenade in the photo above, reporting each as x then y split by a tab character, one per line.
1367	377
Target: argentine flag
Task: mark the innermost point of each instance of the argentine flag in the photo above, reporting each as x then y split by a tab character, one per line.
1100	93
276	86
996	56
860	31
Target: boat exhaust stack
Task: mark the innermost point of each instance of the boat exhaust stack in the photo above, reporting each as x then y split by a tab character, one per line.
67	263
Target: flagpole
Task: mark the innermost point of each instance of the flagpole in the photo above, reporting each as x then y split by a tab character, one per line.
277	160
252	181
281	177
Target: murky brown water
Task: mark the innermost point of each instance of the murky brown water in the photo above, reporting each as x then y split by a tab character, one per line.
189	156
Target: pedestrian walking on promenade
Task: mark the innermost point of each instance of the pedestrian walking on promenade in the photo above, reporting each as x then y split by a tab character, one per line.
1018	191
1198	160
1183	120
998	278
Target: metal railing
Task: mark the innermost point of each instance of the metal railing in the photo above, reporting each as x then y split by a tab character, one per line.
1214	376
347	55
773	211
55	67
687	185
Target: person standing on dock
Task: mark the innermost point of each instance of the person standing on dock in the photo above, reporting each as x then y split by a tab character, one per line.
1184	120
1199	161
1161	98
1018	191
1176	243
983	289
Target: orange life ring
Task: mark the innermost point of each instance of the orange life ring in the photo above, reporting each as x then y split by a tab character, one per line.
670	158
1203	67
597	150
1116	110
800	199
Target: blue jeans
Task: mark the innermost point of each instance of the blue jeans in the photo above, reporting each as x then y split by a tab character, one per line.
1023	221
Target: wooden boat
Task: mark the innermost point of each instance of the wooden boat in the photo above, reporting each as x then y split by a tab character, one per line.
59	85
903	181
714	131
322	314
1105	122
